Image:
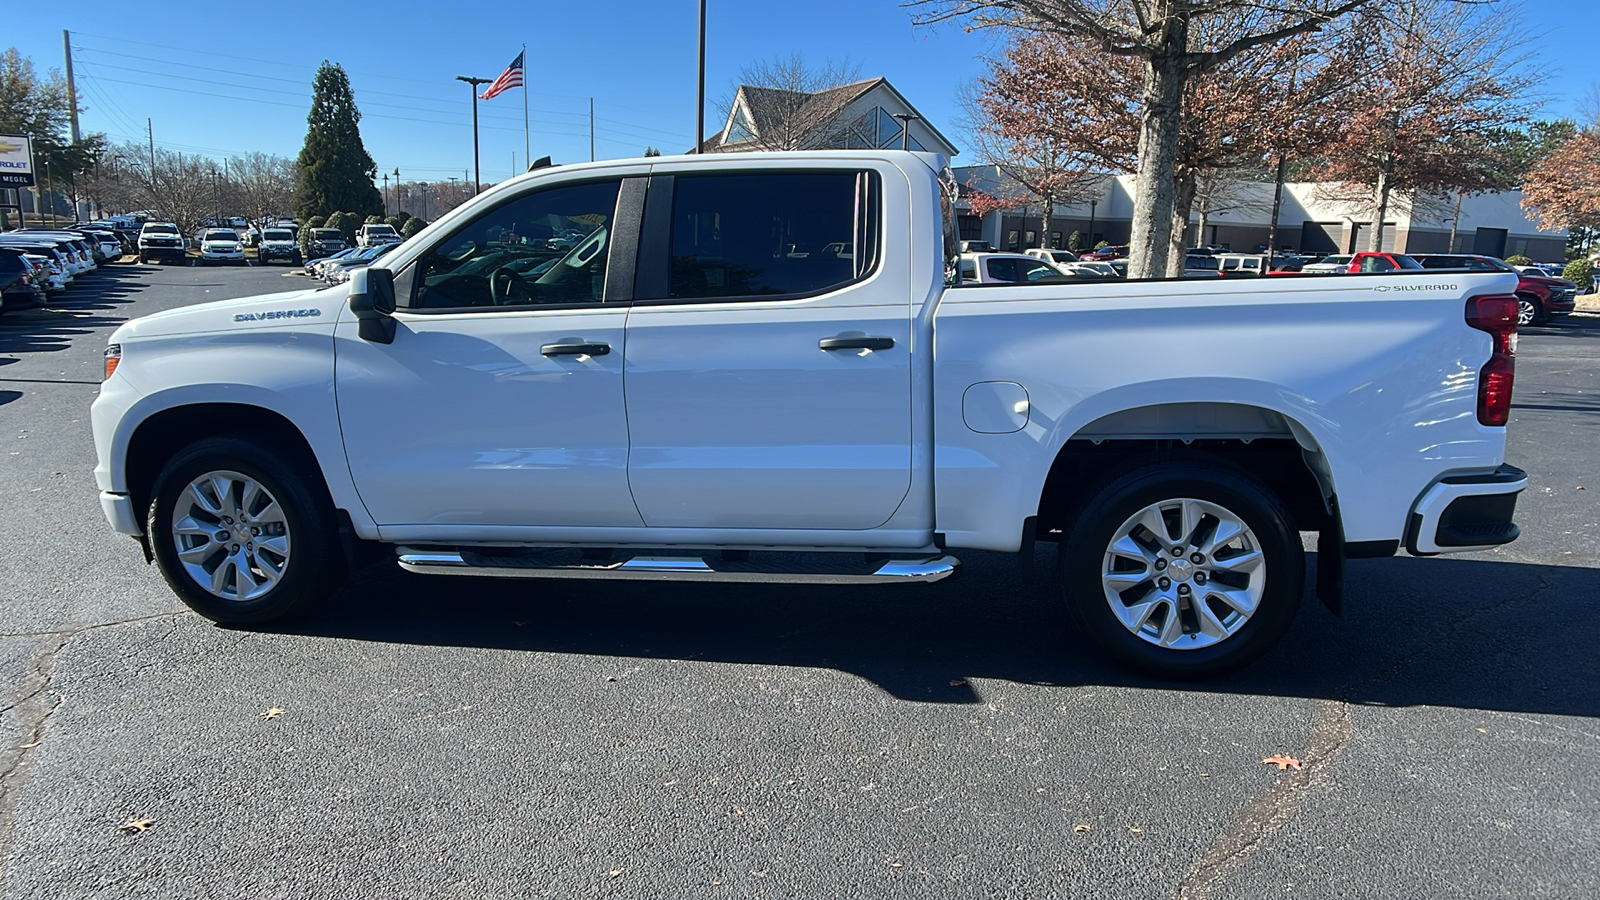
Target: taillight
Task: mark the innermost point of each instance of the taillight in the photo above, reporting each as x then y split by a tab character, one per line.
1498	317
113	357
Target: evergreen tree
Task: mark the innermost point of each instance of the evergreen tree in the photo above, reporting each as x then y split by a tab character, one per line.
334	170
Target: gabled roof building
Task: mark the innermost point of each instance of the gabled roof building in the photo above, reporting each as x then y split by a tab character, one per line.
864	115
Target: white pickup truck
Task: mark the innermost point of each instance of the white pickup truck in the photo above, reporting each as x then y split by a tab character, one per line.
656	369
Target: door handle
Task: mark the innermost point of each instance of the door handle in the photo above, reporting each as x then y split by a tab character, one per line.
575	349
856	343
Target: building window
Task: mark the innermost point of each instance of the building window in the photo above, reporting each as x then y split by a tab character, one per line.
740	131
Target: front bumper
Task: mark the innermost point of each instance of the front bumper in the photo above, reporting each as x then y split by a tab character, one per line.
1466	512
1561	303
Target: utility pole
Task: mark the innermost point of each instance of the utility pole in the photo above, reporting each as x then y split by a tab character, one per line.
386	193
72	90
591	129
477	181
150	130
700	86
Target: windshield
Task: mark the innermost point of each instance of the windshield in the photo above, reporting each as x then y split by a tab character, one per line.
160	229
379	229
328	234
277	236
221	236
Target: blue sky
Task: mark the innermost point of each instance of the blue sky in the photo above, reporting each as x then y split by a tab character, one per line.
229	78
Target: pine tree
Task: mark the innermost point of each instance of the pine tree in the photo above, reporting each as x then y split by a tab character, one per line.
334	170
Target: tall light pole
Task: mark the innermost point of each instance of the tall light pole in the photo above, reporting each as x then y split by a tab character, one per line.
386	193
700	85
1092	205
477	181
397	190
905	128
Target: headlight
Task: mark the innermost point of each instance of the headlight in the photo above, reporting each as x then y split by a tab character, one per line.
113	358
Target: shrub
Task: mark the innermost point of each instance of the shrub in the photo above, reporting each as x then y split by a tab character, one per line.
1581	273
412	226
395	222
374	220
1102	245
1074	241
317	221
1517	259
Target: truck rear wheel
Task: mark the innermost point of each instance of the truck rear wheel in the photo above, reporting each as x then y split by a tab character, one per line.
242	534
1183	567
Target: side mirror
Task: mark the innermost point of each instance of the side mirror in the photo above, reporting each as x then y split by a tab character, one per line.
372	301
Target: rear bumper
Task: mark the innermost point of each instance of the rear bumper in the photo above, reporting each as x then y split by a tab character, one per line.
1466	512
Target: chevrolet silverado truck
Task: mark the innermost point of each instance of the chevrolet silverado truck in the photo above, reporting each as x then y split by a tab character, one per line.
657	369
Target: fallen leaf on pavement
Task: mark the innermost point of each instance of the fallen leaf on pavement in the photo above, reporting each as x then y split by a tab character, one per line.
1483	731
272	713
135	826
615	872
1283	762
896	864
1081	828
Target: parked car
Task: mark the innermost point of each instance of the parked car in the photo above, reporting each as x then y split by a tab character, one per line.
1108	252
16	279
372	234
339	271
461	409
162	242
1095	269
1540	297
278	243
74	261
1335	264
976	247
1007	268
1054	257
1240	264
221	245
325	242
1370	261
48	273
315	267
1201	266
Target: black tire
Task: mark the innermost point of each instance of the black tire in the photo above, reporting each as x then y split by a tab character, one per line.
143	261
1097	520
314	565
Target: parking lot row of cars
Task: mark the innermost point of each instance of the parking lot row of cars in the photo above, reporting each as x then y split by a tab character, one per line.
1542	294
36	263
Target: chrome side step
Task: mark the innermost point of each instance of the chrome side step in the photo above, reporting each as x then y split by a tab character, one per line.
776	567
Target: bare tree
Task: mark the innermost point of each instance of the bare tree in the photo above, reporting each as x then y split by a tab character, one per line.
1087	103
261	184
1435	76
1161	34
1037	161
784	103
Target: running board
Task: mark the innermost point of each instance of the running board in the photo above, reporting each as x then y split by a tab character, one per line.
726	566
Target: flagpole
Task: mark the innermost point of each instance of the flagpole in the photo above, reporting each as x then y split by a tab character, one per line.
524	58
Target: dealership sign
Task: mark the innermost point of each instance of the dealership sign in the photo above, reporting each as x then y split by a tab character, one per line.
16	161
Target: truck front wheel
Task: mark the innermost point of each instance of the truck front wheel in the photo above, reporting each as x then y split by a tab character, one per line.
1183	568
242	532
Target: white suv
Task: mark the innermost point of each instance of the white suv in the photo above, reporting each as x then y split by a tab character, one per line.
162	241
371	235
221	245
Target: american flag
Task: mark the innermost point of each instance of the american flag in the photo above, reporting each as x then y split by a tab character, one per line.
510	78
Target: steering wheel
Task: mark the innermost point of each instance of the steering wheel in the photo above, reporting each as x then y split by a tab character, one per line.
507	287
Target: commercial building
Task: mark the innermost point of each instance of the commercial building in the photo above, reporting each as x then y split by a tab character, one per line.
1315	217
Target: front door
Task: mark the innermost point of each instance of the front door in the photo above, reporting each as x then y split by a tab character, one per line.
769	353
500	401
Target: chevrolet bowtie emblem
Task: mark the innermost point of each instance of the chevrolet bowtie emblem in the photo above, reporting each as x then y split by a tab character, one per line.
9	148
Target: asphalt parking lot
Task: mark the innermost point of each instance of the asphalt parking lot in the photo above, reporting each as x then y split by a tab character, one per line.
474	738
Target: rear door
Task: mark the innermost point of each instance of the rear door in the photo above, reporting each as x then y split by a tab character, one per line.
768	349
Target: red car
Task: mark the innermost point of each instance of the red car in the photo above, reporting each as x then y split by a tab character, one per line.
1539	297
1107	253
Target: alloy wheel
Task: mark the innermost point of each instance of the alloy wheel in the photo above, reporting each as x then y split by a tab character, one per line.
1183	574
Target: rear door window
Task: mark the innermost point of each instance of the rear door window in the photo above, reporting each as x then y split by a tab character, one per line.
770	234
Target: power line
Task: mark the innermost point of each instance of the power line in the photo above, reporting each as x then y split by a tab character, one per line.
278	62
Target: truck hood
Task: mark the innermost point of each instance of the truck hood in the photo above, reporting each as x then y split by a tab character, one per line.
288	309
